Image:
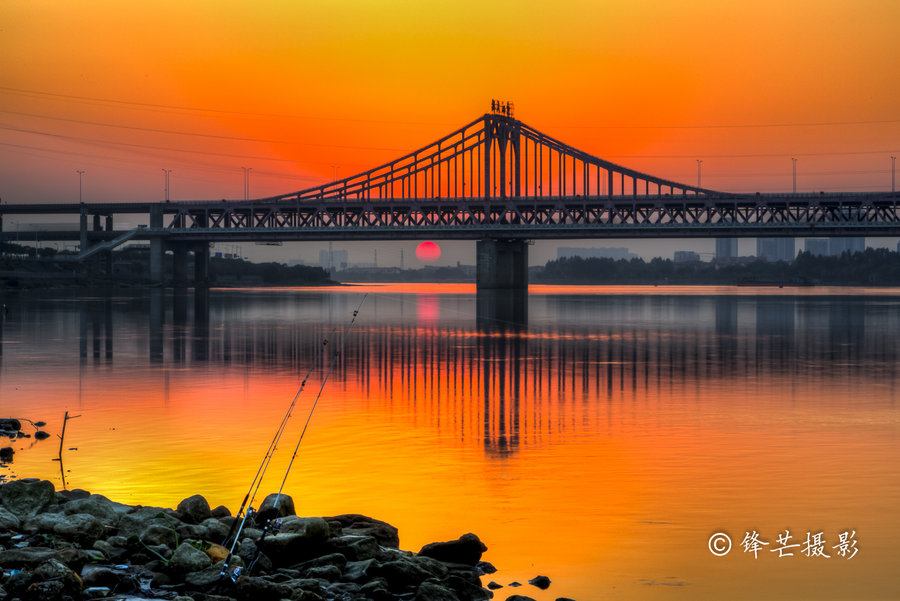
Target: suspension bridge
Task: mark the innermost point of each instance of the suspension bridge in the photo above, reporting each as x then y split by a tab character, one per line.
497	181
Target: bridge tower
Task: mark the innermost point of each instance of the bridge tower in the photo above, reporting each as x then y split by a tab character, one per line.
501	265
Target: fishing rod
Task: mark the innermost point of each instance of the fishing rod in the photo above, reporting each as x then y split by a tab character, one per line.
264	465
312	409
257	480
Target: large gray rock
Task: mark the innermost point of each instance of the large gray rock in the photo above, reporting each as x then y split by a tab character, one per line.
467	549
98	506
215	529
354	523
193	510
55	570
268	510
259	589
402	574
8	521
188	558
10	424
354	547
25	557
27	497
82	528
159	534
432	591
135	522
302	543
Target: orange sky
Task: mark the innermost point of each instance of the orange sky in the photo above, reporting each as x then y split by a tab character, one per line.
312	89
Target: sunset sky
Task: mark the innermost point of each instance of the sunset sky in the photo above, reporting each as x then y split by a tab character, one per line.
302	91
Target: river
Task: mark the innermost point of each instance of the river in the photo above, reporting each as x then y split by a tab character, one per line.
609	442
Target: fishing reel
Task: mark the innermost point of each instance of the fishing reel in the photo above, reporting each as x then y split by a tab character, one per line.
235	573
275	525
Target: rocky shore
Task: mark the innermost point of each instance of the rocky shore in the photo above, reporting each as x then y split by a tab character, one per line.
61	545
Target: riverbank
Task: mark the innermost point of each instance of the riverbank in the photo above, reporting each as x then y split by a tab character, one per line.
64	544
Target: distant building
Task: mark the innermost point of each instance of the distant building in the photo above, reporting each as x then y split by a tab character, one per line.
726	249
332	260
837	246
686	256
816	246
616	253
832	247
776	249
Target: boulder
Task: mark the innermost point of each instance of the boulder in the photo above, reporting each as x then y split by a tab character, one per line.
98	506
137	520
55	570
193	510
260	589
402	574
188	558
10	424
432	591
159	534
221	512
542	582
519	598
82	528
354	547
8	521
215	529
467	549
354	523
6	454
27	497
41	435
25	557
289	548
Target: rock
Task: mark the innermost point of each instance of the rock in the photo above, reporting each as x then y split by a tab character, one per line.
468	589
331	573
259	589
25	557
215	529
466	550
494	585
431	591
8	521
305	539
6	454
354	523
207	578
377	590
10	424
28	497
97	592
188	558
99	507
216	552
356	571
486	567
82	528
355	547
64	496
193	510
519	598
220	512
401	574
193	531
55	570
268	510
514	584
41	435
137	520
159	534
542	582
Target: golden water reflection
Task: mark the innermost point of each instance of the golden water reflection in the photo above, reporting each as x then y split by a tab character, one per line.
602	443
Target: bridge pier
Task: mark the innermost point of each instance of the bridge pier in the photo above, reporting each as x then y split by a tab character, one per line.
501	282
157	246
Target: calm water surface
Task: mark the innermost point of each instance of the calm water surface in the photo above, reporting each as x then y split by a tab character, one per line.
601	444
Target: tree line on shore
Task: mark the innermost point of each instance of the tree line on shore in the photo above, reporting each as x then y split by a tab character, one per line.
874	266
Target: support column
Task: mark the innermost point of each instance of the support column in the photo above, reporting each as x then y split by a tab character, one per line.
157	246
179	263
201	265
83	241
501	283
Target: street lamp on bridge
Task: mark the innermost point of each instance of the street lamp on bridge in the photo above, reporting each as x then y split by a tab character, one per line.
893	166
80	173
246	171
699	162
795	174
167	172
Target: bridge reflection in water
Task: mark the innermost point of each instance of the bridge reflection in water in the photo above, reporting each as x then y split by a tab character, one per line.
505	384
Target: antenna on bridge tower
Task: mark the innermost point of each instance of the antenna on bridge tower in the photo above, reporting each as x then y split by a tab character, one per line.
499	107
